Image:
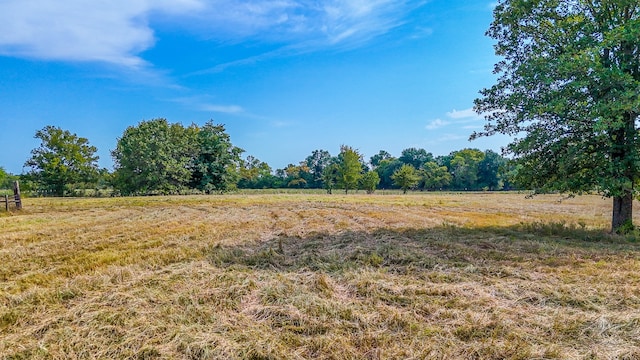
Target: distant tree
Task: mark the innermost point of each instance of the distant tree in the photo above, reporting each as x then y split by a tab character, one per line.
62	159
104	181
255	174
216	161
154	157
489	171
316	163
509	175
4	177
385	170
435	176
158	157
415	157
330	176
406	177
464	167
7	179
297	175
349	168
377	158
568	86
370	181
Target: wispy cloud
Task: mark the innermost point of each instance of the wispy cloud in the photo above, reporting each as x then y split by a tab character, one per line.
332	21
457	118
118	31
452	137
463	114
204	103
303	26
436	124
226	109
77	30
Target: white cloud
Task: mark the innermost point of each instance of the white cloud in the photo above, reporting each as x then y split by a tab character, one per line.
113	31
205	103
117	31
463	114
436	124
304	23
452	137
227	109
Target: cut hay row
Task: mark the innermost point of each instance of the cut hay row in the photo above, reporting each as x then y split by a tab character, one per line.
475	276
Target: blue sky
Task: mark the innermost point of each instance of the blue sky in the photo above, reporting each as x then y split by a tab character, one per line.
286	77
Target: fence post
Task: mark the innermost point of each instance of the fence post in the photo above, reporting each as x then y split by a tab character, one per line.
6	202
16	195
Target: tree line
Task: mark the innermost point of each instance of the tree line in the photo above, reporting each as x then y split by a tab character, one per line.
567	90
159	157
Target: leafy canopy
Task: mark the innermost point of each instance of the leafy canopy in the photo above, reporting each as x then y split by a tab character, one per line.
568	90
62	159
406	177
158	157
349	168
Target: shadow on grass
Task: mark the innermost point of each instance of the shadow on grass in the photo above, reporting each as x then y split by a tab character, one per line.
433	248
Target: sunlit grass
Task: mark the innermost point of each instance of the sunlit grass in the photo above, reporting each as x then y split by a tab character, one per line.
306	276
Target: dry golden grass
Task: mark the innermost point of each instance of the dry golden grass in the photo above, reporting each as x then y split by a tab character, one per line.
442	276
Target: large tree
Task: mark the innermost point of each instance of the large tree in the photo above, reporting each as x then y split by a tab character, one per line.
415	157
463	165
316	163
349	168
377	158
154	157
435	177
568	88
158	157
489	170
61	159
370	181
385	169
406	177
216	162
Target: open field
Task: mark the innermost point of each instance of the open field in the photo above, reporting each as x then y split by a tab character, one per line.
442	276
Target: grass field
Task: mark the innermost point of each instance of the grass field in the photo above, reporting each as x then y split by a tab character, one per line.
311	276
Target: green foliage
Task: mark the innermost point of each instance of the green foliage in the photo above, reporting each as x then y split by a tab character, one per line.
415	157
376	159
386	169
349	168
490	171
154	157
435	176
406	177
255	174
330	176
158	157
568	86
316	163
4	178
216	162
63	160
370	181
464	166
297	175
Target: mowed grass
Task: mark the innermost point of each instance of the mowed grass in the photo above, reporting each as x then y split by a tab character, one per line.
295	276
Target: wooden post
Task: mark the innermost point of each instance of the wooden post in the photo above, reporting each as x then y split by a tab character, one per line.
6	202
16	195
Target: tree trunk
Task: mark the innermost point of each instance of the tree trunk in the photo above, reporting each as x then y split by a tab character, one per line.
622	212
